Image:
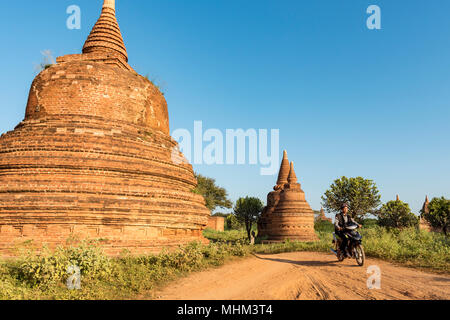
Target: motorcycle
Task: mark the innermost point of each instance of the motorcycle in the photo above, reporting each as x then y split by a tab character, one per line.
354	245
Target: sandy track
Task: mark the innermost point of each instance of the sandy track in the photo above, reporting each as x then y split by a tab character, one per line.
305	276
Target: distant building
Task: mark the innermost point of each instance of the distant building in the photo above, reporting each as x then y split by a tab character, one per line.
216	223
321	216
424	224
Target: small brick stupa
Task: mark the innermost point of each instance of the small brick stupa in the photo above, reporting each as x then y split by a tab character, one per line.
287	216
322	217
273	197
424	224
93	157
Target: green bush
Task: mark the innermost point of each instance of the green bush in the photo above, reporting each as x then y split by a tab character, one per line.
229	235
50	267
438	214
185	259
396	214
232	223
409	246
323	226
370	222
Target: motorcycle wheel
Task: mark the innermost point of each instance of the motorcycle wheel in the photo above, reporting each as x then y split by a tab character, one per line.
340	255
360	255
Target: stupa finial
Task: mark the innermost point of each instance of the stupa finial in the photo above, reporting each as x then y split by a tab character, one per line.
284	170
425	205
292	178
110	4
105	36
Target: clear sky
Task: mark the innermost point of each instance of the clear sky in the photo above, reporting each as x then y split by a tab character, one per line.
347	100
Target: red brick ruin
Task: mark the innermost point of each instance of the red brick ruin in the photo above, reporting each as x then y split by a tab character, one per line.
93	157
424	224
216	223
322	217
287	215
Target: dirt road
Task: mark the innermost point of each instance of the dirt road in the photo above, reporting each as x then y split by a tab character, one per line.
306	276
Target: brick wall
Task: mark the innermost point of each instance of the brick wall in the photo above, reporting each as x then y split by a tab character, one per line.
216	223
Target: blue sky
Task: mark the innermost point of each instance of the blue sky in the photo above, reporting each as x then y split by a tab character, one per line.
347	100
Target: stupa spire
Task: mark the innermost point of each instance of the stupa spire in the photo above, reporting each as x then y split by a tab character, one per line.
110	4
284	170
425	205
322	212
105	36
292	178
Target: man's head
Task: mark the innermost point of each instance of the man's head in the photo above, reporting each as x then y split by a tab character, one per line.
344	208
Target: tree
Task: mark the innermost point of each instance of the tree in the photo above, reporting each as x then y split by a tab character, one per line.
248	211
438	214
232	222
220	214
396	214
214	195
360	194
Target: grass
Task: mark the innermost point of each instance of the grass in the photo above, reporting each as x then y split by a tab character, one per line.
227	236
44	275
410	247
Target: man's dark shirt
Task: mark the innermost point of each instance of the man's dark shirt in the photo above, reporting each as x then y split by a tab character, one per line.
341	220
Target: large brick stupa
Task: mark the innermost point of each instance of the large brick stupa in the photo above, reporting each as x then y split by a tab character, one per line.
93	157
287	215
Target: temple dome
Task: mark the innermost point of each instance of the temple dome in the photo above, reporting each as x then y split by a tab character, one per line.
78	85
99	83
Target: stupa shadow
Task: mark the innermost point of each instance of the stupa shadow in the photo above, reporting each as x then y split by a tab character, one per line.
441	279
307	263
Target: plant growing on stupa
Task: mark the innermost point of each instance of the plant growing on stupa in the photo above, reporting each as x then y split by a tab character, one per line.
47	61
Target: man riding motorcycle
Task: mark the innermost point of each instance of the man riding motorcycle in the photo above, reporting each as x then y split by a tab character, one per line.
342	219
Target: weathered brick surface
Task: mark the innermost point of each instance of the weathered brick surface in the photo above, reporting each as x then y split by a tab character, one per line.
216	223
106	35
100	90
93	158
